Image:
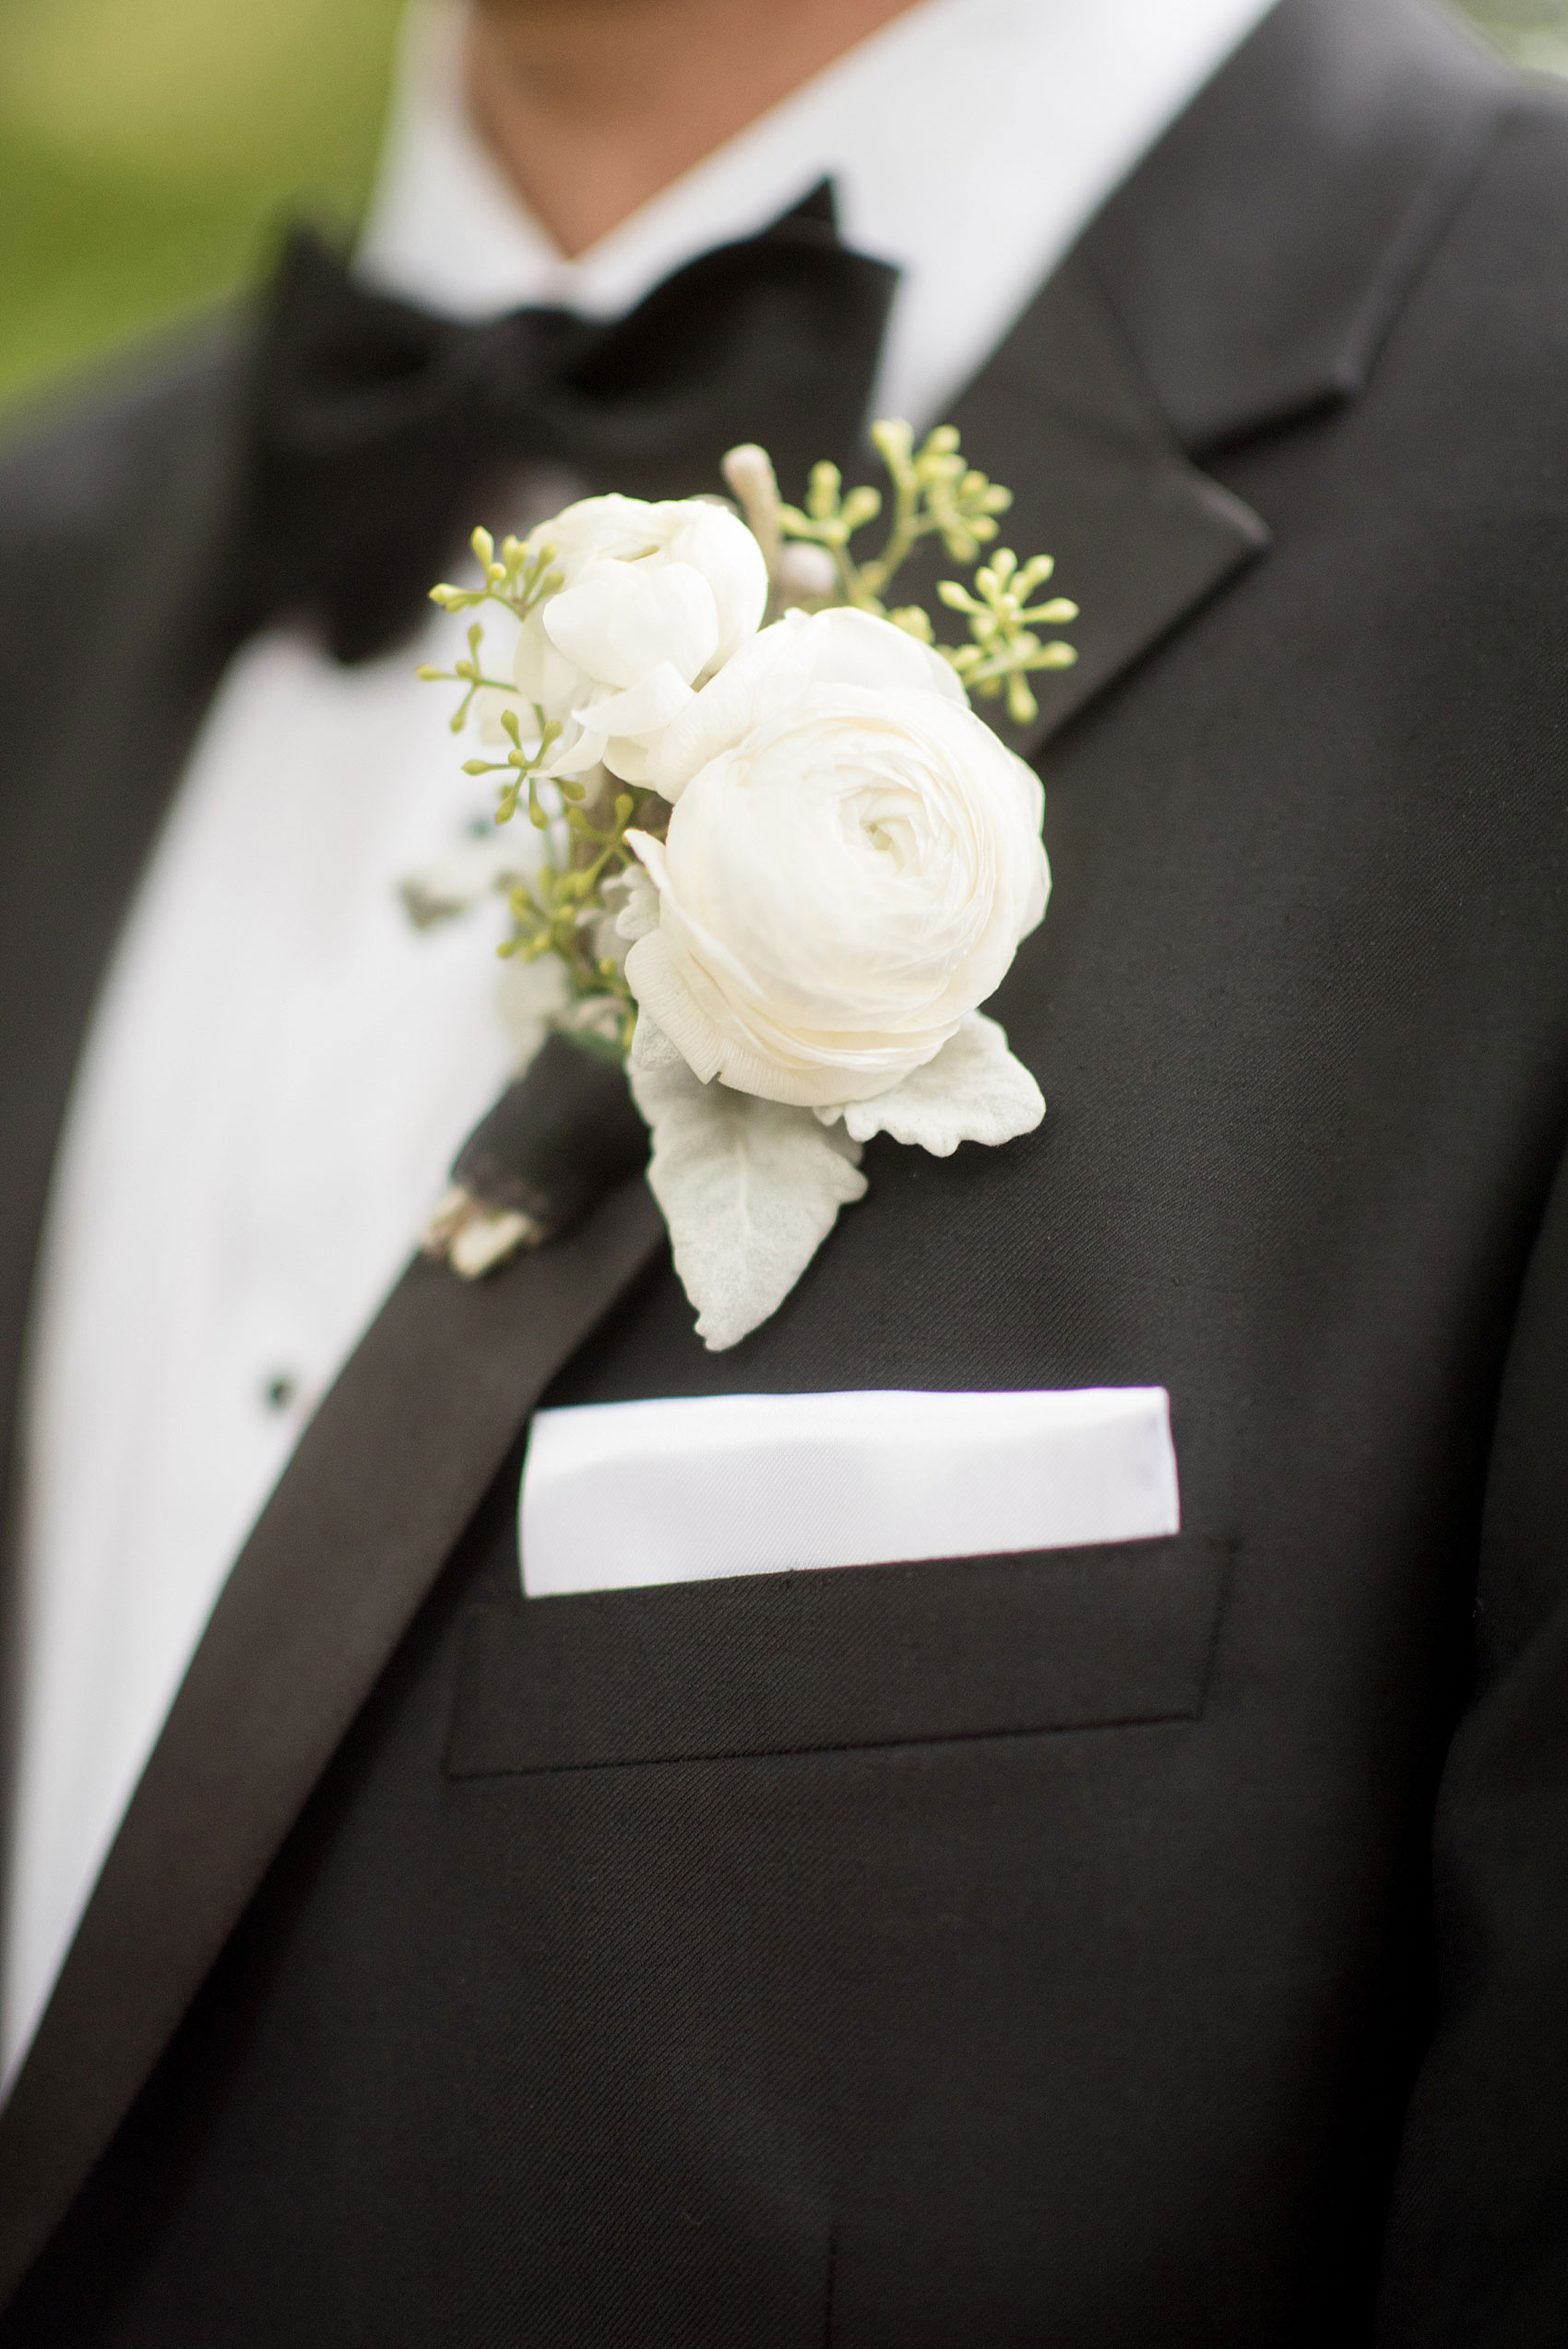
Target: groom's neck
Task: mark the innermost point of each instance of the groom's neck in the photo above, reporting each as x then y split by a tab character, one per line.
591	106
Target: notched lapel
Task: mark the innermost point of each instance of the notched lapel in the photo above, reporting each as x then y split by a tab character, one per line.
1141	537
1245	278
1261	254
384	1481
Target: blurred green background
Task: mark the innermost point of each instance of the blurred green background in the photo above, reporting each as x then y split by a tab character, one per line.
148	147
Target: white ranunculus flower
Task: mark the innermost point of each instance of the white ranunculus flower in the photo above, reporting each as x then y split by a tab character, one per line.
655	599
852	860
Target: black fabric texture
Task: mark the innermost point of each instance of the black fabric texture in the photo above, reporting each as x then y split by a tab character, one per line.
376	431
557	1141
812	1662
1175	1958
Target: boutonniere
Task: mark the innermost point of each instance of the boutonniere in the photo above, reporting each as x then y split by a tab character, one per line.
762	853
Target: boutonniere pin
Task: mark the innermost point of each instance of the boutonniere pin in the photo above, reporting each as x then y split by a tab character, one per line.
763	854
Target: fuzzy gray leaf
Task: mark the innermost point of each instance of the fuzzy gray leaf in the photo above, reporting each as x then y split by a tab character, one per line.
973	1091
749	1188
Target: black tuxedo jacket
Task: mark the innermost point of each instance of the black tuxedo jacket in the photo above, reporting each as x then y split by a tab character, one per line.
1113	1950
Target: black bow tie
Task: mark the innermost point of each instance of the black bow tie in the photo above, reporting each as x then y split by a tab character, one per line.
378	433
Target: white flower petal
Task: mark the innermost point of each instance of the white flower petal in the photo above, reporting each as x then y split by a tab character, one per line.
580	748
628	759
545	679
625	618
662	996
592	528
852	648
723	550
727	706
649	853
529	659
785	662
973	1091
657	696
636	902
749	1190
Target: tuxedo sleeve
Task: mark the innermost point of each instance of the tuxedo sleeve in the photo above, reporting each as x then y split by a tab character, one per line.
1477	2251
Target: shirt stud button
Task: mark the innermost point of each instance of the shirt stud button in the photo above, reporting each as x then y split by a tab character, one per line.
280	1390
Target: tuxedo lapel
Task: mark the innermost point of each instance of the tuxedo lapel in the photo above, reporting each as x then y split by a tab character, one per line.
348	1549
1258	258
396	1457
1243	279
1141	537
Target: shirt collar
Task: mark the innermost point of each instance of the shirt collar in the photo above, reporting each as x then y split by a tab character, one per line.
971	141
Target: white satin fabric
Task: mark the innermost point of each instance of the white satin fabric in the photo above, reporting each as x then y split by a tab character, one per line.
620	1495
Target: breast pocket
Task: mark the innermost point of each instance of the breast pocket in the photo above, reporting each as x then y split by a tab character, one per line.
855	1656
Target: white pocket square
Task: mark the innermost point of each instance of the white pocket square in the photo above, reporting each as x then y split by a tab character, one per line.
619	1495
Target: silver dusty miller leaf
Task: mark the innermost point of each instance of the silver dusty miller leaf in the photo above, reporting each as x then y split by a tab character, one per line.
973	1091
749	1188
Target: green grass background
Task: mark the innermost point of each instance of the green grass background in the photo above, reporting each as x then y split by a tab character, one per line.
148	150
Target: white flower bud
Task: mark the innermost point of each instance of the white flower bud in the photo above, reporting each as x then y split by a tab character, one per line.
654	599
806	573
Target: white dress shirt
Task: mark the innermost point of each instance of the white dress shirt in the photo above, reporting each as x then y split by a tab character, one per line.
281	1069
